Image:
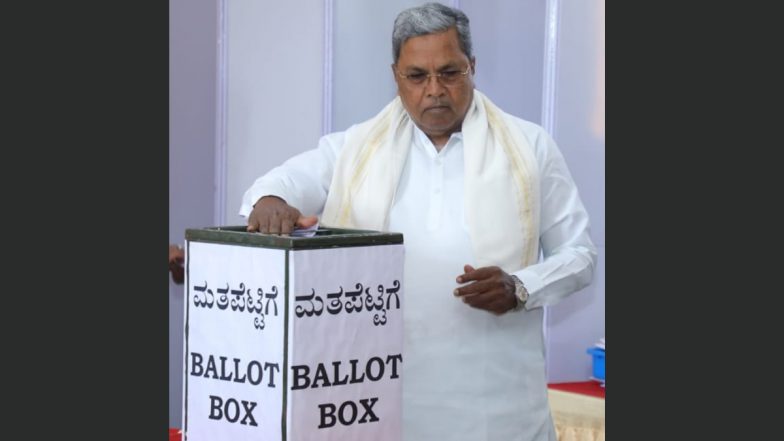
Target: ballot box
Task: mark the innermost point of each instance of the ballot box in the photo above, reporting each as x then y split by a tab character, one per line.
293	338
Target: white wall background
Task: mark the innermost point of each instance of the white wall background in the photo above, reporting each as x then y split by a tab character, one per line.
362	54
291	71
508	37
577	323
192	113
275	81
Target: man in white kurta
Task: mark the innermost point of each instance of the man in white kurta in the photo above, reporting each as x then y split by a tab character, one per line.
480	196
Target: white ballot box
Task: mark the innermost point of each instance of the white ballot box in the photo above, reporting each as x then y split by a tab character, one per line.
293	338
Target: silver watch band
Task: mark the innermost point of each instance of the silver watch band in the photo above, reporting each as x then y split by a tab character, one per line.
520	292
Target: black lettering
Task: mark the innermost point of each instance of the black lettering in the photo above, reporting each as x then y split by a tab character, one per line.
223	370
374	370
321	374
347	421
394	359
380	369
211	367
248	412
250	373
295	370
354	378
215	407
196	360
368	405
335	381
271	372
324	415
231	410
237	378
236	410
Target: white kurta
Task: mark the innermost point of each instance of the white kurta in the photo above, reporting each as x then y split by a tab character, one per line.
467	374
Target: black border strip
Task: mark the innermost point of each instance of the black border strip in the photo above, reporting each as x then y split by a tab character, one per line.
283	415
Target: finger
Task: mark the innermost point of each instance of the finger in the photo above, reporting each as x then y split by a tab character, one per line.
488	300
176	261
466	269
476	274
178	276
286	226
479	301
253	223
172	251
263	224
475	288
274	224
306	221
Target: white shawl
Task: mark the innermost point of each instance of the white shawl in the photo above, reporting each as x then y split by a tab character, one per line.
501	180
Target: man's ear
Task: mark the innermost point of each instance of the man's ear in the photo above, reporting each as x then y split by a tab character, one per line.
473	65
395	77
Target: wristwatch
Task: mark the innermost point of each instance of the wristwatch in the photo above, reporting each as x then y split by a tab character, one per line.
520	292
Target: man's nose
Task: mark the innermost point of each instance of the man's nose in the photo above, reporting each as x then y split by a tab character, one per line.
433	86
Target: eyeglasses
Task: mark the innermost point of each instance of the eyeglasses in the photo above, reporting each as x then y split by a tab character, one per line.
447	77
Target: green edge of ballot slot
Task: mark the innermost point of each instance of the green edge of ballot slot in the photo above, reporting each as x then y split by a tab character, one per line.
324	237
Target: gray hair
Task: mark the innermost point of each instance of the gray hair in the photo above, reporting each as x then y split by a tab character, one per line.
430	18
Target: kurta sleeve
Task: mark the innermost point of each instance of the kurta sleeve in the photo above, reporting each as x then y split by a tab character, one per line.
568	254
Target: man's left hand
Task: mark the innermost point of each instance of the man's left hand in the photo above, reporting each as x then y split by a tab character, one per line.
492	289
176	260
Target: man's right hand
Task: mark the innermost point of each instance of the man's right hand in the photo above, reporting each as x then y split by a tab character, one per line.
272	215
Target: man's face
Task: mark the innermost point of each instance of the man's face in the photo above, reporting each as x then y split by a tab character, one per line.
437	105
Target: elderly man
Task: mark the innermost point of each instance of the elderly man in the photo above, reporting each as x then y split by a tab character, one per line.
493	225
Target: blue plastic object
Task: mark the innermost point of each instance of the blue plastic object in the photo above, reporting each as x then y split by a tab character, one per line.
598	362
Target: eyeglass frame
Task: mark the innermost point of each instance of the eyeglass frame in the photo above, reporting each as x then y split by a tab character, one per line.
428	75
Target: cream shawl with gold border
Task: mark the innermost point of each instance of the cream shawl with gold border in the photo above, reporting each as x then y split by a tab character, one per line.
501	180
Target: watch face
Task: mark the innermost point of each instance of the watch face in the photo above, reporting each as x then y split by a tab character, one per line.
520	290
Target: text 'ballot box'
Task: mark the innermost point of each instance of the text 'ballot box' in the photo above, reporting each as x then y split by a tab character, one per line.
293	338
